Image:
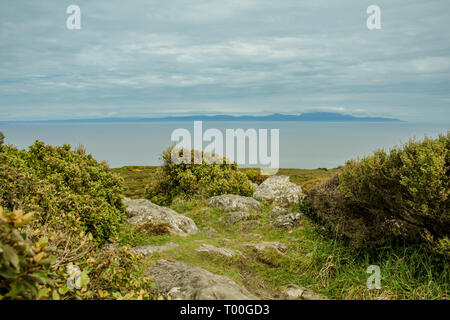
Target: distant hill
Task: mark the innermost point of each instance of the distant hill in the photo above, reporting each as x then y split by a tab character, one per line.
304	117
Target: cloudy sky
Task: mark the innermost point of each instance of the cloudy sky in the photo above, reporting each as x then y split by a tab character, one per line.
157	58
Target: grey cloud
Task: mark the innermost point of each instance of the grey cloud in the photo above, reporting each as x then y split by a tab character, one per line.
140	58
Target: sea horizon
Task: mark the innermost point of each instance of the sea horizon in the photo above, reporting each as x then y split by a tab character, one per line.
303	145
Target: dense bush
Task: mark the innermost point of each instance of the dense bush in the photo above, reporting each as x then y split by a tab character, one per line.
255	175
58	182
36	262
203	180
402	195
24	265
73	206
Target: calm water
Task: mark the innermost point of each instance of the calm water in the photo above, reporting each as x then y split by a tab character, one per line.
302	145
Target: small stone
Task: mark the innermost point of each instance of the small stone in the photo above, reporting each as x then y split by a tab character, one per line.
249	225
295	292
277	211
287	221
277	246
212	249
150	249
234	217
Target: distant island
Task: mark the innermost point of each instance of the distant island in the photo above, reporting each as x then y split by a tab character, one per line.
304	117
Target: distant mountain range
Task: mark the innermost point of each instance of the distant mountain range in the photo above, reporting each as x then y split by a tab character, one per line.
304	117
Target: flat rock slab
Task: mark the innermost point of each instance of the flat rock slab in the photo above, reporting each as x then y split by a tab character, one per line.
294	292
232	202
142	211
150	249
279	190
212	249
288	221
183	282
277	246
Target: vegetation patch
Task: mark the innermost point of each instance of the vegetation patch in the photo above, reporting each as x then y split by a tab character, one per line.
396	197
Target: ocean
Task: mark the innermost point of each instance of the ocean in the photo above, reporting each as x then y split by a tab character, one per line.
305	145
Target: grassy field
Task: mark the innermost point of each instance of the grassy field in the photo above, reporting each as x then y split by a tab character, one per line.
313	260
137	177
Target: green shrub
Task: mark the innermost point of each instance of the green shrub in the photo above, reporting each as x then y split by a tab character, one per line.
255	176
402	195
2	138
202	180
56	181
24	265
34	260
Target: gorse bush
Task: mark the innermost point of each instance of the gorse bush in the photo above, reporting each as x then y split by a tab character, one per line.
203	180
402	195
255	175
35	263
24	265
57	209
58	182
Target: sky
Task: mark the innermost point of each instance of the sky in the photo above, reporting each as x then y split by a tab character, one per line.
141	58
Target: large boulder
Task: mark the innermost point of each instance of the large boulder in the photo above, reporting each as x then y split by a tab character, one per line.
287	221
279	190
183	282
232	202
141	211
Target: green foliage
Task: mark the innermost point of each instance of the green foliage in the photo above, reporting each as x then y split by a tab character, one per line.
202	180
2	138
108	273
24	265
255	176
402	195
58	182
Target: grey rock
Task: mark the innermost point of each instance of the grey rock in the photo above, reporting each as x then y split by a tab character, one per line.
277	211
232	202
212	249
211	232
287	221
278	246
294	292
184	282
249	225
142	211
279	190
234	217
150	249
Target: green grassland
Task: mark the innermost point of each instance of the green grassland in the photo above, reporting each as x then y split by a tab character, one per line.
136	178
